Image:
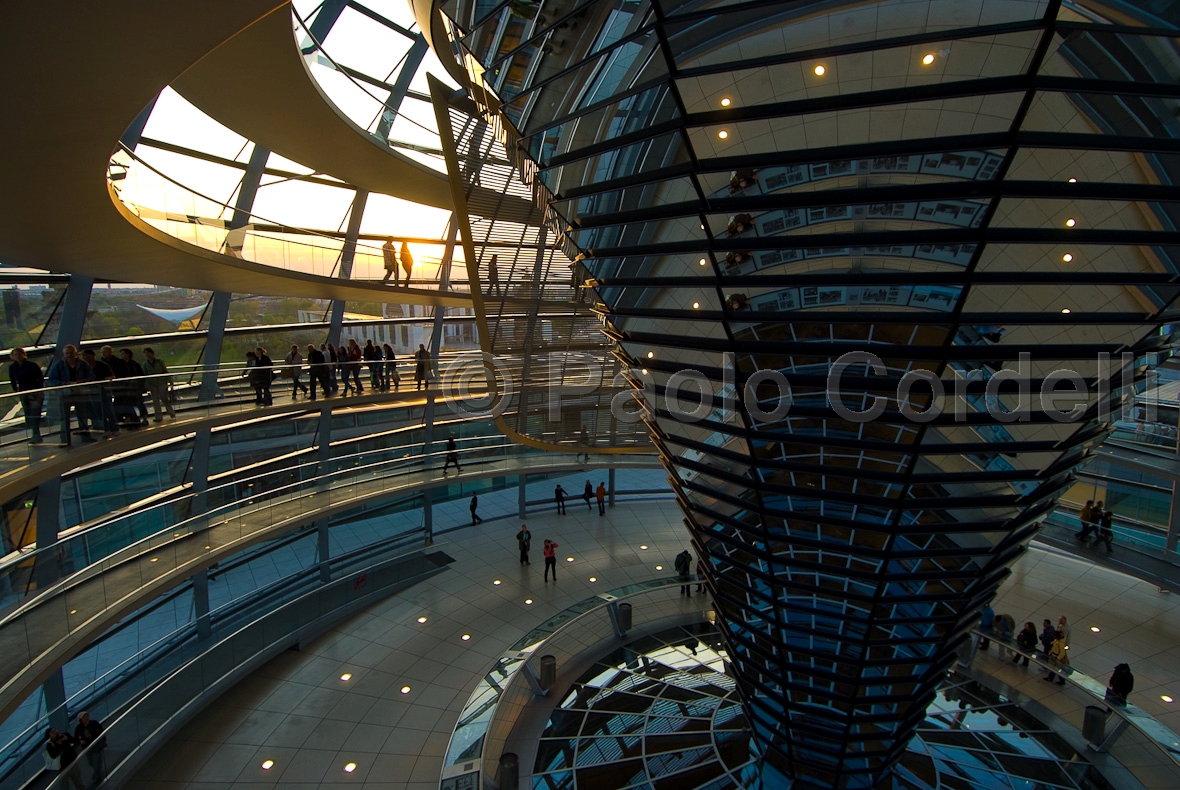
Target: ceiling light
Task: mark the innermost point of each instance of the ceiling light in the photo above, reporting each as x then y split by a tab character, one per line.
1067	257
350	768
725	102
73	611
1073	181
1095	629
496	582
1069	223
347	676
268	764
528	601
405	689
703	261
723	134
643	547
465	637
928	58
569	559
820	70
593	578
421	619
155	559
659	567
644	371
696	305
1065	310
1165	698
651	355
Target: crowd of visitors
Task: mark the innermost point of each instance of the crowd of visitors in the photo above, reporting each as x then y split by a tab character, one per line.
123	385
1054	640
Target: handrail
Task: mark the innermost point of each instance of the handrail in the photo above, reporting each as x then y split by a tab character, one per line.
1164	739
217	236
468	739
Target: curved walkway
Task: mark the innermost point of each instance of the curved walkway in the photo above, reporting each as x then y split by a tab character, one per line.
258	85
49	629
77	92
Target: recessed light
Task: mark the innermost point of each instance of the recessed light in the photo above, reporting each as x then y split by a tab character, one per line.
725	102
593	578
1073	181
465	637
347	676
703	261
644	371
659	567
73	611
1067	257
1065	310
421	619
820	70
643	547
405	689
928	58
268	764
496	582
350	768
1095	629
155	559
528	601
723	134
569	559
1165	698
1069	223
696	305
651	355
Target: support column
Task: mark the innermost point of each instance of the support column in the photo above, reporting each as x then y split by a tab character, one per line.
401	86
201	603
54	689
218	314
1173	525
610	487
45	566
198	471
347	255
444	285
73	312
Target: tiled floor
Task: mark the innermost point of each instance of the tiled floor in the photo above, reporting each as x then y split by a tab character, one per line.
297	711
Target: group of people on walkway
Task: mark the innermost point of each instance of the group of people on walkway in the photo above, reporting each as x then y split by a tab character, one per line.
60	753
328	367
524	541
1054	641
114	402
1096	519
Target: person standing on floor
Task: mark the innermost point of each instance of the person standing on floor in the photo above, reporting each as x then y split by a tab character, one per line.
62	751
475	519
267	367
390	259
391	368
1058	659
452	456
67	373
102	403
27	379
88	734
550	552
1027	640
1084	516
588	494
317	366
1063	627
523	539
354	367
1048	632
1121	683
683	566
407	261
294	362
700	575
421	366
1105	530
135	383
600	492
559	495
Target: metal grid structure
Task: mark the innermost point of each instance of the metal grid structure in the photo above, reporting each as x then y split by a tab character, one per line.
533	313
969	192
